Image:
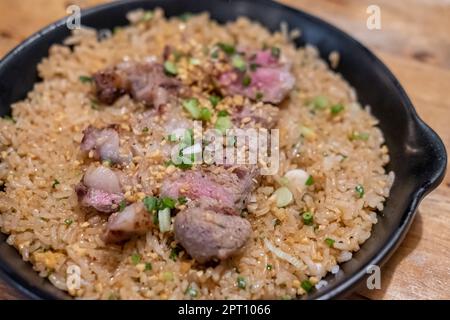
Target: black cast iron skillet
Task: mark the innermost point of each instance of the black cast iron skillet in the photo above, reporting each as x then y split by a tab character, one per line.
418	156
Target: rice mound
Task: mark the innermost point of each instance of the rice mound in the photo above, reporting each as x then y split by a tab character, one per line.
41	163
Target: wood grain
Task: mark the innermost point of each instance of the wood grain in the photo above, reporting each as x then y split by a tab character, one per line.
415	45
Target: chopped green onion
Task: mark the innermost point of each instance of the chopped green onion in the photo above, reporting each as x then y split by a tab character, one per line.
259	95
215	54
150	203
222	113
359	136
122	205
174	253
167	276
307	285
170	68
135	258
55	183
246	80
148	266
241	283
286	297
9	118
113	296
359	189
309	181
320	102
223	123
107	163
185	16
145	130
85	79
307	132
276	222
192	106
94	105
148	15
337	108
194	61
205	114
181	165
330	242
283	197
227	48
167	202
308	218
269	267
276	52
164	220
214	100
68	222
191	292
254	66
172	137
182	200
238	62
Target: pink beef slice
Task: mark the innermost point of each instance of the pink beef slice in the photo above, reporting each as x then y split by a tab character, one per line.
218	189
207	235
271	79
145	82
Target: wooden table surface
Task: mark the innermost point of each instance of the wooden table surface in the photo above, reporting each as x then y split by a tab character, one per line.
414	43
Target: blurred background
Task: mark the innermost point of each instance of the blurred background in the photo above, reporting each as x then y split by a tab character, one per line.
414	42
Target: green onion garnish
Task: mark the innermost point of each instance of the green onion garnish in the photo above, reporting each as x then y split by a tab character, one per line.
259	95
205	114
148	266
241	283
359	189
222	113
269	267
185	16
330	242
167	202
85	79
122	205
276	52
170	68
9	118
320	102
148	15
150	203
254	66
227	48
174	253
223	123
182	200
68	222
359	136
309	181
214	100
192	106
145	130
238	62
55	183
308	218
307	285
191	292
336	109
135	258
246	80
